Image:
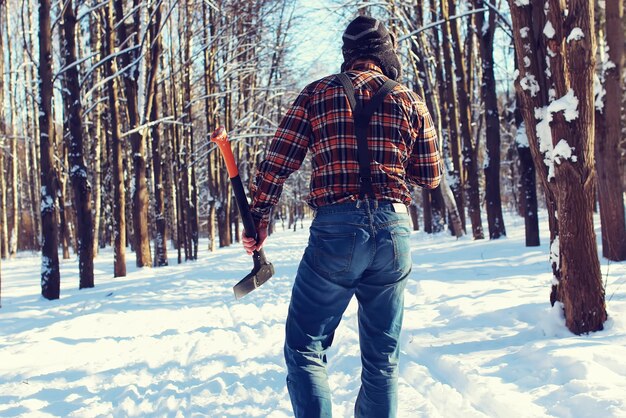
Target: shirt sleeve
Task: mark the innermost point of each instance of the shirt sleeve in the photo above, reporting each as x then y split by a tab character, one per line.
285	155
425	166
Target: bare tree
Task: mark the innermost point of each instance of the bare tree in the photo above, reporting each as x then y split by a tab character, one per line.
119	198
485	32
564	135
74	138
2	135
610	193
451	101
50	277
4	241
130	75
14	160
462	72
160	239
528	185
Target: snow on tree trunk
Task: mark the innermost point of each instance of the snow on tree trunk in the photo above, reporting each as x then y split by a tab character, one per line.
130	69
560	132
74	138
50	277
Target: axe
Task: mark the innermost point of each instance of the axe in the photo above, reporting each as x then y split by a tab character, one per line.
262	270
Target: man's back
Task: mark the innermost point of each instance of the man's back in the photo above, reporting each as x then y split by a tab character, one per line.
401	137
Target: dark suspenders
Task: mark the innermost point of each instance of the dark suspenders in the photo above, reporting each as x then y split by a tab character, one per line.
362	116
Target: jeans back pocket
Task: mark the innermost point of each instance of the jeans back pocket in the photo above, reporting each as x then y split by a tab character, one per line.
401	238
333	252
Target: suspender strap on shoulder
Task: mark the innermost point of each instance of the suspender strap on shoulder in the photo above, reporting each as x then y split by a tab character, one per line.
362	116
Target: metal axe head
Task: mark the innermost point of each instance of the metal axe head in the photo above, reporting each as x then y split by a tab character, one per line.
262	271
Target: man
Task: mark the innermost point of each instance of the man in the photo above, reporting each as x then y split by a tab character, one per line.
367	150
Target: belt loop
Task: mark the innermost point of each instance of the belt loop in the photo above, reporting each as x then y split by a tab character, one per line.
375	204
358	204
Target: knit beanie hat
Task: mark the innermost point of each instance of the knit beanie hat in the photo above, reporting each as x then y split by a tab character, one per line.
366	37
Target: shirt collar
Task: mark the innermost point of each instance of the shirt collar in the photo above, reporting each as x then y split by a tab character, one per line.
367	66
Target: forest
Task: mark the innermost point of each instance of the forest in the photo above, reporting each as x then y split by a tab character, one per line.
107	107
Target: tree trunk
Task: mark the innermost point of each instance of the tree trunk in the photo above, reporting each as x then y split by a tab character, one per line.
428	217
3	134
95	134
189	170
14	161
528	192
465	124
568	122
209	25
607	154
438	210
160	239
131	77
456	223
50	277
78	171
457	183
117	163
4	234
580	288
414	216
485	34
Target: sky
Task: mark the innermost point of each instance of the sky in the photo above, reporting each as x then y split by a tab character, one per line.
316	41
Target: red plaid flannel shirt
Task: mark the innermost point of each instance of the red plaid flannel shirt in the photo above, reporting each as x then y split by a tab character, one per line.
402	140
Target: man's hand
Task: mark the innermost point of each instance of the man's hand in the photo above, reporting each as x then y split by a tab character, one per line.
249	244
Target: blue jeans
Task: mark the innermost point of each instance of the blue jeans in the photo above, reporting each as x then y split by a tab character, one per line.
362	251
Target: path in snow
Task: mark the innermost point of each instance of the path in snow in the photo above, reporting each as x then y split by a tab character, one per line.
479	339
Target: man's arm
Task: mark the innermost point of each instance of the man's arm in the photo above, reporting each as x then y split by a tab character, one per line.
285	155
425	166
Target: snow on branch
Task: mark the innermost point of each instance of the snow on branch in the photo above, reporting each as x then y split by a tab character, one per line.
147	125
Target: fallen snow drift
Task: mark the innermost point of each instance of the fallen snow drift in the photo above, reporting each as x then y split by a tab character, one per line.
479	340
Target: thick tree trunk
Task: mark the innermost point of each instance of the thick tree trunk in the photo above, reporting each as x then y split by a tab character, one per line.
74	138
50	278
610	193
131	77
117	163
580	288
566	124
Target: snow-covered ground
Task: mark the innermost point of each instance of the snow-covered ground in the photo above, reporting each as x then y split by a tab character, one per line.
479	340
